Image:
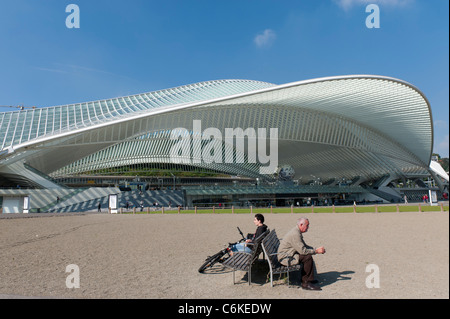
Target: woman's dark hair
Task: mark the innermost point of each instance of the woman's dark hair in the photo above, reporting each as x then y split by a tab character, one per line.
260	217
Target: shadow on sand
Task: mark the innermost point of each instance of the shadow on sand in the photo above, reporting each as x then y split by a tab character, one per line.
328	278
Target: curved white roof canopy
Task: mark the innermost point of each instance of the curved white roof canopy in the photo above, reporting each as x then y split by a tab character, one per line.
328	128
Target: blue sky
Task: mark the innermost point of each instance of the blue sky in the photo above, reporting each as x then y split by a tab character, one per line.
135	46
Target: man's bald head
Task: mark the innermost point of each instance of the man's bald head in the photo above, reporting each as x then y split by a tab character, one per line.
303	224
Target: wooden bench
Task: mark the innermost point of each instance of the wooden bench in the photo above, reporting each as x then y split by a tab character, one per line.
243	261
270	245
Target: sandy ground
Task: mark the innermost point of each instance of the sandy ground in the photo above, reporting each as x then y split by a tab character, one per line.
157	256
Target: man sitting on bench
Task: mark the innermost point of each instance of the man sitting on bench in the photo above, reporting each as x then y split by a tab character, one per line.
293	250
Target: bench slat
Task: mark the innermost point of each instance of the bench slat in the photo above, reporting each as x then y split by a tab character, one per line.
272	244
242	260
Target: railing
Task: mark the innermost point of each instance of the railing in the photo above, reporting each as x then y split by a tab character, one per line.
44	176
382	208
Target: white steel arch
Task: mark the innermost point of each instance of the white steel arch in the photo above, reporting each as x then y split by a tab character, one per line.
331	128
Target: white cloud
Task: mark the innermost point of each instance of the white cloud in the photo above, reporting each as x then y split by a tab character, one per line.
348	4
73	69
50	70
265	39
442	147
440	124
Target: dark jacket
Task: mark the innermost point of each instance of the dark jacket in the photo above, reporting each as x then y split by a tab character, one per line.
259	231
